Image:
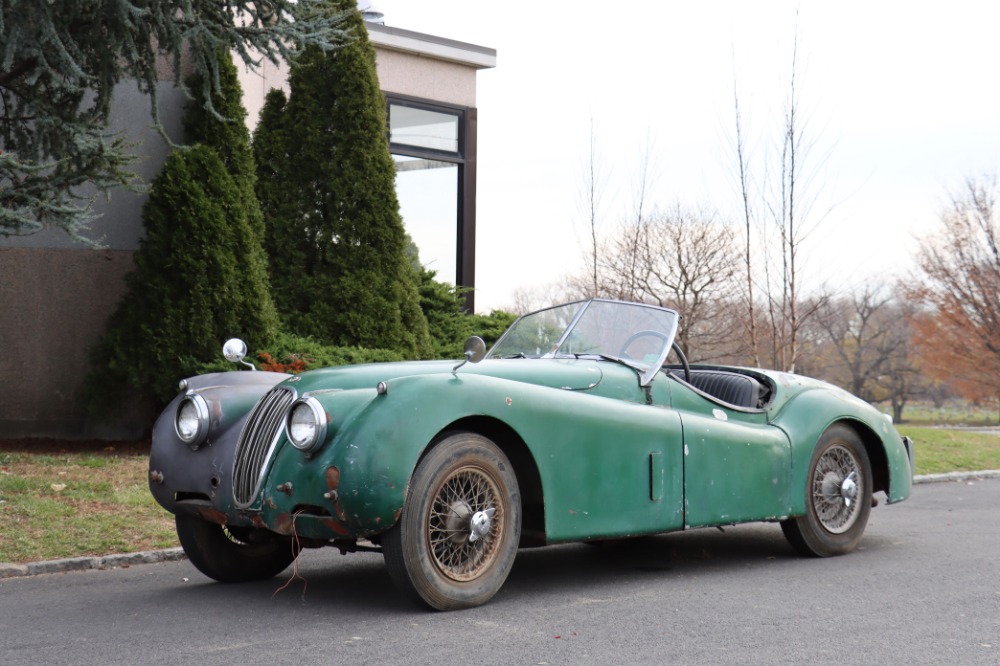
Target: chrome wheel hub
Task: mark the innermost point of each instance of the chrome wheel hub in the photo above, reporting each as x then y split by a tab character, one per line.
849	489
480	524
836	487
465	523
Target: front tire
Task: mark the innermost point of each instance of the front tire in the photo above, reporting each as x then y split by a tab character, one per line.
838	496
234	554
455	541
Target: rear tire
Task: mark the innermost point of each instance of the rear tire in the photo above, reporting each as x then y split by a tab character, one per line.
234	554
457	536
838	496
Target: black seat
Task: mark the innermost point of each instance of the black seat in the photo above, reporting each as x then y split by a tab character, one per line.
729	387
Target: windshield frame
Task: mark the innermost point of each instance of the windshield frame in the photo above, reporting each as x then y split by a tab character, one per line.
646	371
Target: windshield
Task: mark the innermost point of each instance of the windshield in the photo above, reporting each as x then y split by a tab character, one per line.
639	335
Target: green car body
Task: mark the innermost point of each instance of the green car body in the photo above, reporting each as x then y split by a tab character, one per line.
599	448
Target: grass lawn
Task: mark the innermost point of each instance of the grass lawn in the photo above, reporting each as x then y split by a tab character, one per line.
940	450
66	499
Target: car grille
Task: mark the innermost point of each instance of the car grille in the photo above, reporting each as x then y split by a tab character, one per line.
259	436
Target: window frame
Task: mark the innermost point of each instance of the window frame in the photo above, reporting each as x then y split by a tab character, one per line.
465	158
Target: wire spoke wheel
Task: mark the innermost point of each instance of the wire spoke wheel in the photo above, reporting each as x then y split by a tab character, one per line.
838	496
455	541
460	553
835	488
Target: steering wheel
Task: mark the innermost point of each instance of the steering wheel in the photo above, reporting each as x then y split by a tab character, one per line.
648	333
684	361
656	334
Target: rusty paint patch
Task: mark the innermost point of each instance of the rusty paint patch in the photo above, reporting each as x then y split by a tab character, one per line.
258	521
333	484
336	527
156	476
271	503
213	515
284	523
332	478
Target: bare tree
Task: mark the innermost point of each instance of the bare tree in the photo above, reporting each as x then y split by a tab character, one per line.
866	333
742	158
528	299
901	377
786	195
680	259
598	281
592	192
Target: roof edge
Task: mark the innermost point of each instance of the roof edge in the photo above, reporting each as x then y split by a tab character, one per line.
431	46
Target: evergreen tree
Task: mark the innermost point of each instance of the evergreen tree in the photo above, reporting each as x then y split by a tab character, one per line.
335	234
201	271
60	61
284	240
219	121
194	285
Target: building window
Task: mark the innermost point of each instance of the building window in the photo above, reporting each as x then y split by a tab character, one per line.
433	146
428	195
423	128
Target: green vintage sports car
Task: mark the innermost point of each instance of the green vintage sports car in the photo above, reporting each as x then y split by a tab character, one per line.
572	428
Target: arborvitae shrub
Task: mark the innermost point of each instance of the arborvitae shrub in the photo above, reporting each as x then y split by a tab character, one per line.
201	271
327	186
196	284
227	133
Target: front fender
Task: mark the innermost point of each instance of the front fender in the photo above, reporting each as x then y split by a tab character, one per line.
360	476
805	417
594	460
189	480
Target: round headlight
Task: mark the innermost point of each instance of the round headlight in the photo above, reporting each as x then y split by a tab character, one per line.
191	421
306	424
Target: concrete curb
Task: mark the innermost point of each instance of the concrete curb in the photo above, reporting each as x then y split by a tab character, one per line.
85	563
957	476
173	554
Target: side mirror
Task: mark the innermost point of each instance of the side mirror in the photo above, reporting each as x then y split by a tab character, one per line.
235	350
475	350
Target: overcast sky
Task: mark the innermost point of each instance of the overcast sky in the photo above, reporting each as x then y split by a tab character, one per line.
902	101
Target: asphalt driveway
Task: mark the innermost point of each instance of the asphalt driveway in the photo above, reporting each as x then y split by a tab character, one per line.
924	588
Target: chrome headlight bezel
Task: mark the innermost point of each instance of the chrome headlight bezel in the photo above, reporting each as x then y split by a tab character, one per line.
315	424
192	410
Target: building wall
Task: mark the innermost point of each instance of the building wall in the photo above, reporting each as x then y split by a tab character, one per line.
55	303
257	83
118	224
56	295
401	72
441	81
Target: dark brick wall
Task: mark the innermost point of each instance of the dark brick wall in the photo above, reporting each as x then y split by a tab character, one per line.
54	304
56	294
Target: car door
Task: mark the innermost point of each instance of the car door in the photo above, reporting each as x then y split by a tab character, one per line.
608	468
736	467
